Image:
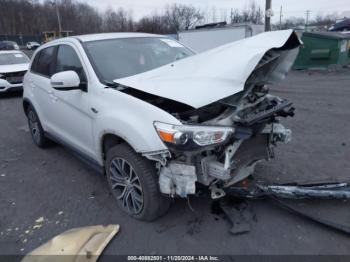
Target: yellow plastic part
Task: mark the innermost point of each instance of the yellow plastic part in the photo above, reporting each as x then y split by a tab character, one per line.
75	245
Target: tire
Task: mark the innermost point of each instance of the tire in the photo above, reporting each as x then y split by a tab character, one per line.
36	130
133	181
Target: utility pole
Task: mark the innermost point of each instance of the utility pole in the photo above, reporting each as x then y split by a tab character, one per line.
268	14
281	15
307	19
54	3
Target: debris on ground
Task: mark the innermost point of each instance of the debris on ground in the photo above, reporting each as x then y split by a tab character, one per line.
237	213
39	220
85	241
37	226
280	194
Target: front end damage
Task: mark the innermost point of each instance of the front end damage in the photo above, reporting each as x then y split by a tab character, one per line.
255	131
253	116
220	141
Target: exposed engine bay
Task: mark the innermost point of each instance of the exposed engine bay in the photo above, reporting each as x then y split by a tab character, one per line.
255	116
244	128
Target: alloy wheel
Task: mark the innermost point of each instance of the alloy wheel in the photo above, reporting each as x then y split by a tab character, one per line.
34	126
126	185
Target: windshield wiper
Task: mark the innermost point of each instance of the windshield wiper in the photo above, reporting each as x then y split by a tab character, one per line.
114	85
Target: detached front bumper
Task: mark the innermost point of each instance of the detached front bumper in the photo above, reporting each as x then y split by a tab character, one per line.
223	167
5	86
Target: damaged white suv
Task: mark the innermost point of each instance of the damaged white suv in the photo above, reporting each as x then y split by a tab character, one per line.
156	118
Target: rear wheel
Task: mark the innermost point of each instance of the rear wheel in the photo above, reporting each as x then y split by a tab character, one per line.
36	129
134	183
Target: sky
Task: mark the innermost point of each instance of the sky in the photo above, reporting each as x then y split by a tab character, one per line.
289	7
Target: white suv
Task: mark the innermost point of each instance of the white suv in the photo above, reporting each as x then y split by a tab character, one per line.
156	118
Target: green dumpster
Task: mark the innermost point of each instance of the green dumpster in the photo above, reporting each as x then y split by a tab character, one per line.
322	49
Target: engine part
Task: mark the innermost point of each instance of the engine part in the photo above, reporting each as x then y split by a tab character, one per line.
230	151
216	192
179	179
278	133
213	168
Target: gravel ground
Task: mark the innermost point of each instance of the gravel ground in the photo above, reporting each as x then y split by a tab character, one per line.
54	185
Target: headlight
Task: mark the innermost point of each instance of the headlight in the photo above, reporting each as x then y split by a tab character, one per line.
192	137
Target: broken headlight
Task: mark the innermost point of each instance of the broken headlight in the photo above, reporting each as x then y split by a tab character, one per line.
190	137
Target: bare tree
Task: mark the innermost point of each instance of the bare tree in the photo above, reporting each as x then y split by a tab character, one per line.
324	20
154	24
252	14
235	16
182	17
32	17
223	14
292	22
214	17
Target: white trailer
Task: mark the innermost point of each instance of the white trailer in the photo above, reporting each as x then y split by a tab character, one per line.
204	39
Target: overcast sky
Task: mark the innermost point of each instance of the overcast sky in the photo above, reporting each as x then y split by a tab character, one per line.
290	7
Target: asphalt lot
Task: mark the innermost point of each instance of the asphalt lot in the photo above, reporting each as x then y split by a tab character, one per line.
53	184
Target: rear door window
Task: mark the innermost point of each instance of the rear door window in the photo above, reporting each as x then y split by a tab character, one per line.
44	62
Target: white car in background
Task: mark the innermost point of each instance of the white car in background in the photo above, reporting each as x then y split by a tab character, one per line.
13	65
156	118
32	45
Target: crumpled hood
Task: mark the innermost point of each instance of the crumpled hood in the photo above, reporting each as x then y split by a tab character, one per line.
202	79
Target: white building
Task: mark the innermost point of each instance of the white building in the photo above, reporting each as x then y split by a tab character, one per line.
205	38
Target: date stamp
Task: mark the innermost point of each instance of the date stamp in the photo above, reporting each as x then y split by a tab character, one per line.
173	258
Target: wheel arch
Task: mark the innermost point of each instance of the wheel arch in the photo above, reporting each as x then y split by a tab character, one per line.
26	103
109	140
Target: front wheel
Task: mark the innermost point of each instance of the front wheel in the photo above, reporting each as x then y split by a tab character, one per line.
134	183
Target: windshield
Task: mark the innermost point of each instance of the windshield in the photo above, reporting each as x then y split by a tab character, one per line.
13	58
118	58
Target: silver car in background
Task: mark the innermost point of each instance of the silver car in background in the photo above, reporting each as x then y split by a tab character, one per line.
13	65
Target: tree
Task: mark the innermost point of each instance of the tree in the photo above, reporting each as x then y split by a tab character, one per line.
35	16
182	17
117	21
156	24
252	14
